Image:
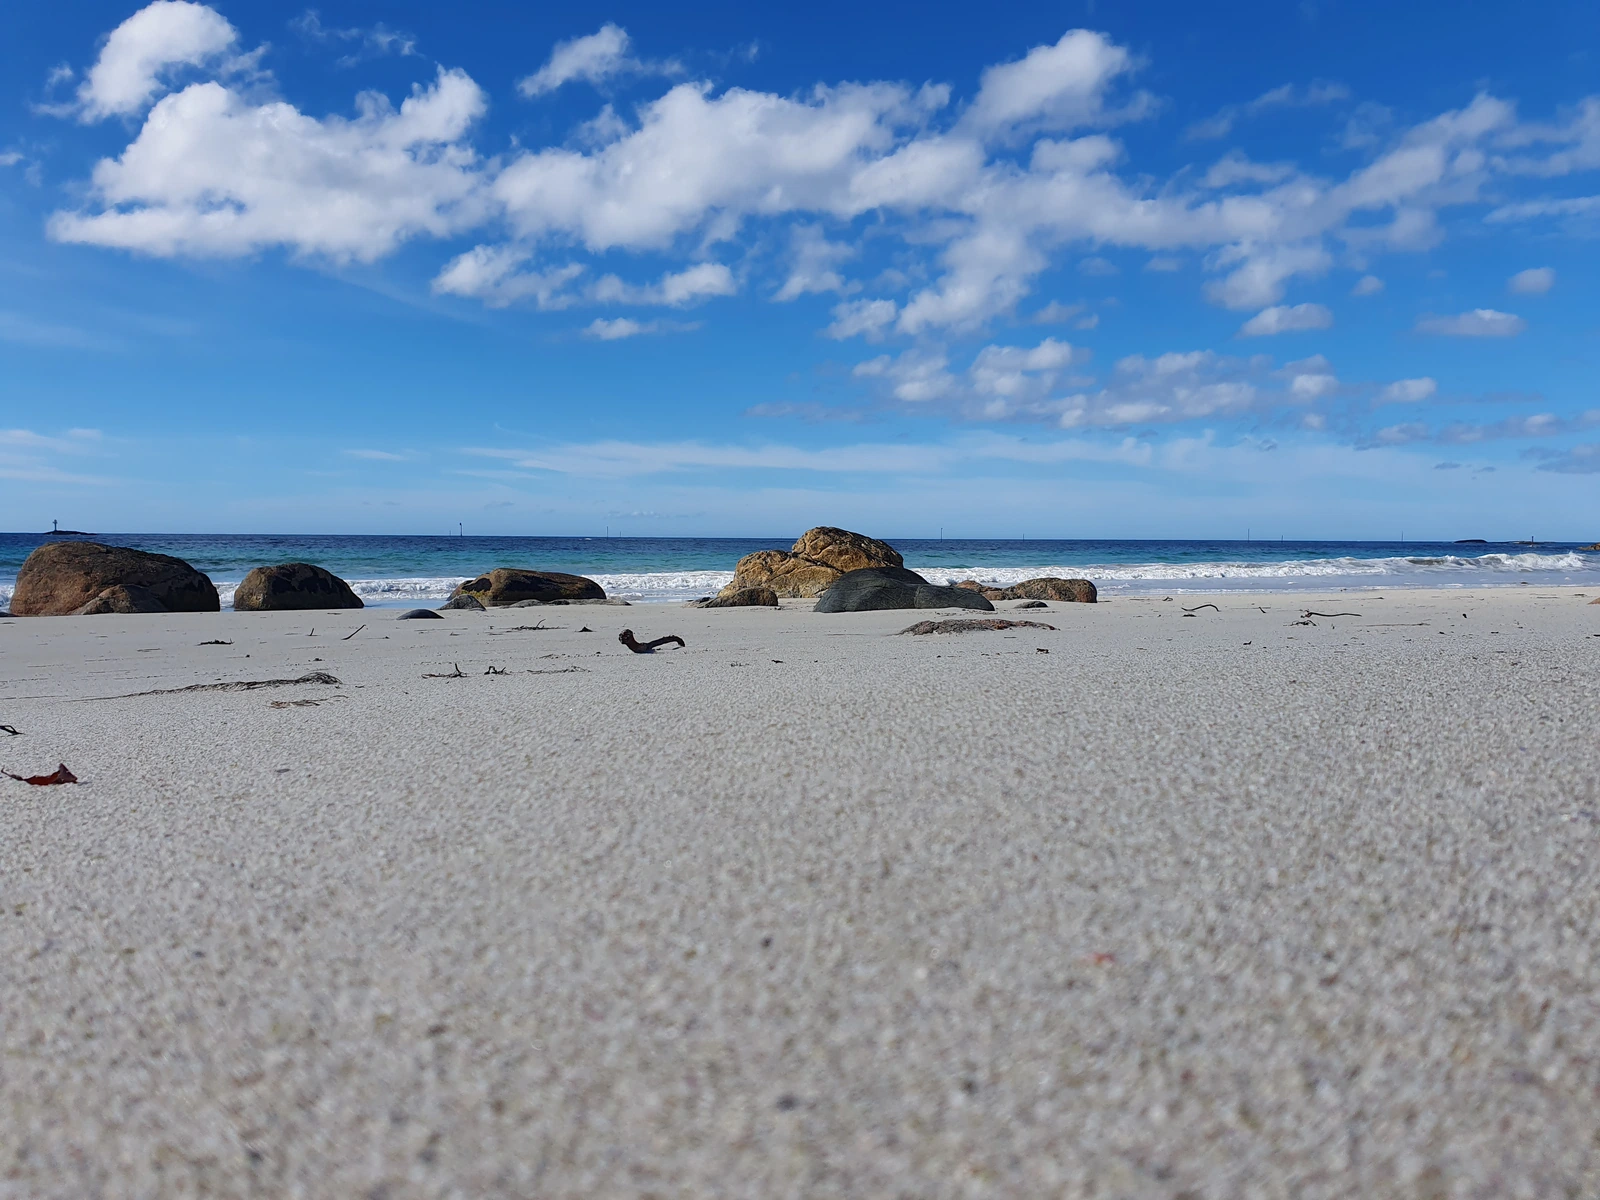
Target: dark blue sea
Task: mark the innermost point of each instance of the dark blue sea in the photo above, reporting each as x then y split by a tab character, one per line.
398	570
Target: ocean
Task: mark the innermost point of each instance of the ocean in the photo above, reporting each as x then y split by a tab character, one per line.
401	571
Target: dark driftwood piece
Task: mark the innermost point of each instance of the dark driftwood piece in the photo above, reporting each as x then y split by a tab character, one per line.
243	685
11	729
59	775
456	674
1309	613
352	633
1198	607
632	643
922	627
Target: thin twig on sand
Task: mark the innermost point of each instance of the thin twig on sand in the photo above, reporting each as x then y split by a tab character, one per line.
352	633
456	674
1309	613
1198	607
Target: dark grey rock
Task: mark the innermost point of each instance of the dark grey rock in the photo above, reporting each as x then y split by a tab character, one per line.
291	587
462	602
419	614
931	596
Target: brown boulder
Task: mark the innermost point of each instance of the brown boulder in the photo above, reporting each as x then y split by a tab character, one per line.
62	577
1049	587
813	565
750	597
1046	587
508	585
122	598
293	586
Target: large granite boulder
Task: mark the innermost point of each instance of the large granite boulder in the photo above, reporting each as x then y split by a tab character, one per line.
875	589
293	586
61	577
123	598
750	597
813	564
509	585
1046	587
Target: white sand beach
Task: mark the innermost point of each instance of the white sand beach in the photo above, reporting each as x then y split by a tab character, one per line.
1202	906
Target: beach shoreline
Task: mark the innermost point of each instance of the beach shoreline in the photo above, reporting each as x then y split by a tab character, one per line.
1232	901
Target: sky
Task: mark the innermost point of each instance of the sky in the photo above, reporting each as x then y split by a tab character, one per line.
1147	269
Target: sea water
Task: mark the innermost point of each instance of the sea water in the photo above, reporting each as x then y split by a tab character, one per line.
406	571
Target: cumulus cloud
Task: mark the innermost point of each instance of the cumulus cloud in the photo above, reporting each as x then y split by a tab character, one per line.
1535	281
212	174
1480	322
1408	391
593	59
1295	318
1466	433
1053	87
142	52
1367	285
861	318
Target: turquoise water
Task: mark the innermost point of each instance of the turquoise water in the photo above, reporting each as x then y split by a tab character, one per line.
399	570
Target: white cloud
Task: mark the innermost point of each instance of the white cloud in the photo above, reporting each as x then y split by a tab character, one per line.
10	158
375	41
1576	206
592	59
380	455
1480	322
1408	391
493	274
212	174
814	264
861	318
1263	272
674	289
1287	319
1287	96
1095	265
625	327
1052	87
140	52
1367	285
1535	281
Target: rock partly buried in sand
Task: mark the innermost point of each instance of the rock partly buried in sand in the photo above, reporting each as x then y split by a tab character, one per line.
1590	549
1046	587
461	603
292	587
813	564
750	597
876	589
509	585
123	598
419	614
62	577
972	626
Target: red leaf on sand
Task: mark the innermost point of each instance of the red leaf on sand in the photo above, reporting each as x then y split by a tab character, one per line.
59	775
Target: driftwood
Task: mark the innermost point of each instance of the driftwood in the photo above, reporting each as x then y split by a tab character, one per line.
922	627
243	685
1198	607
456	674
59	775
216	642
632	643
1309	613
11	729
352	633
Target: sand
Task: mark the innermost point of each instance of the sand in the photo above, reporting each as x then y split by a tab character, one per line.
1211	906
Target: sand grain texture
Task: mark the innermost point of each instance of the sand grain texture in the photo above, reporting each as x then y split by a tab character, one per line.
1211	906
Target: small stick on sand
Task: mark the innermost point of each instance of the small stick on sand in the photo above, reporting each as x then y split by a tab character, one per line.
11	729
632	643
1198	607
1309	613
352	633
456	674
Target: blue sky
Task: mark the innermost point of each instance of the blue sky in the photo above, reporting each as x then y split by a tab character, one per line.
1076	270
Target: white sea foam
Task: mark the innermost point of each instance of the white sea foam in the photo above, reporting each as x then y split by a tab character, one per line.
1440	571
